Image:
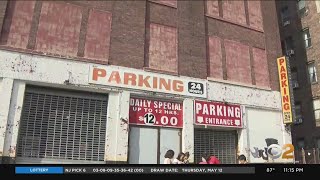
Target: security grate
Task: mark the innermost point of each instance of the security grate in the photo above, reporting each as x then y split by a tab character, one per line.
62	125
221	144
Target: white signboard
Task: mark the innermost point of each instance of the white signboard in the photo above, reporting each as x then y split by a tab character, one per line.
148	81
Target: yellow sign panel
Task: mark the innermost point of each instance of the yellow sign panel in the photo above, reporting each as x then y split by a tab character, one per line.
285	90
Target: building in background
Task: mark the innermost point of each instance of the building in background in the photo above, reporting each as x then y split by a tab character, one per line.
124	81
299	28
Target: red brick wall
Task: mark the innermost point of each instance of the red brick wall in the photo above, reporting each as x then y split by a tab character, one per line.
59	28
212	8
128	44
98	35
238	62
255	16
163	48
234	11
215	58
260	64
21	24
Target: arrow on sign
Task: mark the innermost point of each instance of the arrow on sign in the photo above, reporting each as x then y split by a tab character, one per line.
200	119
237	122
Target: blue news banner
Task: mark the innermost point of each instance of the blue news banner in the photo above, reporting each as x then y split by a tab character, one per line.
134	170
148	169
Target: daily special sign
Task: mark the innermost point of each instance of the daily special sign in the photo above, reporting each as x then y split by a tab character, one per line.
218	114
142	80
285	90
155	113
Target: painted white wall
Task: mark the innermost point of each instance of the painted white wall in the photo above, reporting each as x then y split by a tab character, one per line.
5	96
15	111
36	68
248	96
263	124
117	126
188	128
243	136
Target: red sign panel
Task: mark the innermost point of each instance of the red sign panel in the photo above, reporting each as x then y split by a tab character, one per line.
218	114
155	113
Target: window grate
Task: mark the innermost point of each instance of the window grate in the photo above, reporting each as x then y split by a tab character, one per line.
60	126
221	144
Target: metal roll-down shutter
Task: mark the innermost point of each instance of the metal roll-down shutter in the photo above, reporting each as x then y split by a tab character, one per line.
221	144
62	127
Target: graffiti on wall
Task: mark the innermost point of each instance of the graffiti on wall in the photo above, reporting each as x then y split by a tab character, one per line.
273	150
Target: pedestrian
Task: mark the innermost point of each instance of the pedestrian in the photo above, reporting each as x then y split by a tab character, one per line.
242	159
186	158
168	157
209	159
179	159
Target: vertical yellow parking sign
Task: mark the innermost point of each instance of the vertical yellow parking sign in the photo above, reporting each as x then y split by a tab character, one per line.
285	90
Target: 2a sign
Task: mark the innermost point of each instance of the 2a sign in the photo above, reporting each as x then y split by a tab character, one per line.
195	88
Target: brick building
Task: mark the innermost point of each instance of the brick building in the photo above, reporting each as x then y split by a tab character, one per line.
124	81
299	26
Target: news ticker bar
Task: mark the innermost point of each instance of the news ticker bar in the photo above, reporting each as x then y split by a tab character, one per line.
134	170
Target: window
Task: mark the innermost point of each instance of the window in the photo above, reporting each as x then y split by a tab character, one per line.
302	7
298	110
285	17
316	108
301	4
301	143
312	73
294	78
318	142
288	44
306	37
318	9
283	47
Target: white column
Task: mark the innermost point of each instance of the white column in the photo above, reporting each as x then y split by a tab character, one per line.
123	128
117	127
5	96
16	104
188	128
243	136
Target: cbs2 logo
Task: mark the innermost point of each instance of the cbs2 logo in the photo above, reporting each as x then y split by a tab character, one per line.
275	151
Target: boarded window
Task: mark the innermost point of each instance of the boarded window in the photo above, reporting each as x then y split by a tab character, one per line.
163	52
255	17
238	62
98	35
59	28
260	64
234	11
215	58
212	8
19	28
